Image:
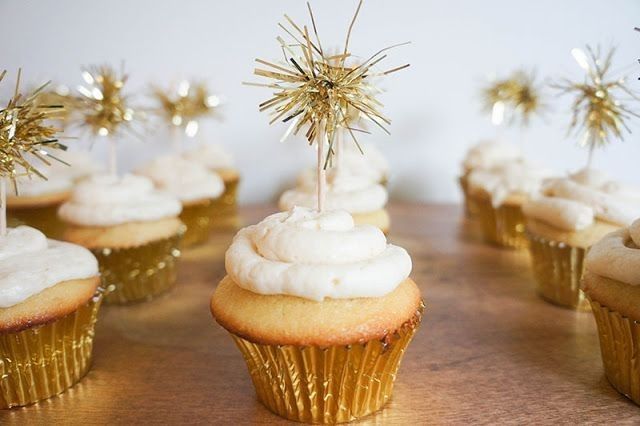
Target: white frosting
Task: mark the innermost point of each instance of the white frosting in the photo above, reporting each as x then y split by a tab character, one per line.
573	203
29	264
59	177
564	214
355	194
512	178
315	255
182	178
211	156
490	154
617	255
104	200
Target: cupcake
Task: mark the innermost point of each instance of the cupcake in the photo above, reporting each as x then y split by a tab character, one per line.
37	201
49	299
328	303
197	188
359	195
215	158
612	285
564	221
132	229
498	194
484	156
369	163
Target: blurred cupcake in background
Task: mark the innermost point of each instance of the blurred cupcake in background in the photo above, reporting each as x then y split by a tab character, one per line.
197	188
183	110
498	195
218	160
370	163
37	200
512	100
612	285
571	214
364	198
484	156
565	220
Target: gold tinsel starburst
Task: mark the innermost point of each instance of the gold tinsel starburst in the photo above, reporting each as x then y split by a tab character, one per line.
25	134
518	92
101	105
191	103
597	111
317	91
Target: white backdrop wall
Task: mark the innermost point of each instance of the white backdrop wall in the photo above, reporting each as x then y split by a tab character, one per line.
435	107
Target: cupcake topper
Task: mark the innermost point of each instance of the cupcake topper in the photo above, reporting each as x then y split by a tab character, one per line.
518	92
597	112
184	108
102	106
24	137
314	90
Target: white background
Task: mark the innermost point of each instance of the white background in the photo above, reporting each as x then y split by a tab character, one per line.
435	107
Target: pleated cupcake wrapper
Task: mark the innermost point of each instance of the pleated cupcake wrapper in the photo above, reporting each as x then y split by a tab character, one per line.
199	220
140	273
43	218
557	269
469	203
504	225
327	385
45	360
620	347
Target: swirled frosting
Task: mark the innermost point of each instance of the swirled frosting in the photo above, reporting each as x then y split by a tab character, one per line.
575	202
617	255
29	264
512	178
59	177
182	178
104	200
211	156
490	154
345	191
315	255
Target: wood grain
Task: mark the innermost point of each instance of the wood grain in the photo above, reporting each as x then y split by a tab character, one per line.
489	350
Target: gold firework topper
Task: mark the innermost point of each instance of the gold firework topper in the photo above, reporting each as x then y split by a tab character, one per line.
103	108
320	92
519	93
26	134
184	108
598	112
315	91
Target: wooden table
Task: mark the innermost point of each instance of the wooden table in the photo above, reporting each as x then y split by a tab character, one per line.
489	350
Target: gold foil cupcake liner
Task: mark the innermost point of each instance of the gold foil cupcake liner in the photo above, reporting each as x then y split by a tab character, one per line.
503	225
468	202
327	385
46	360
139	273
43	218
557	269
199	219
620	348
